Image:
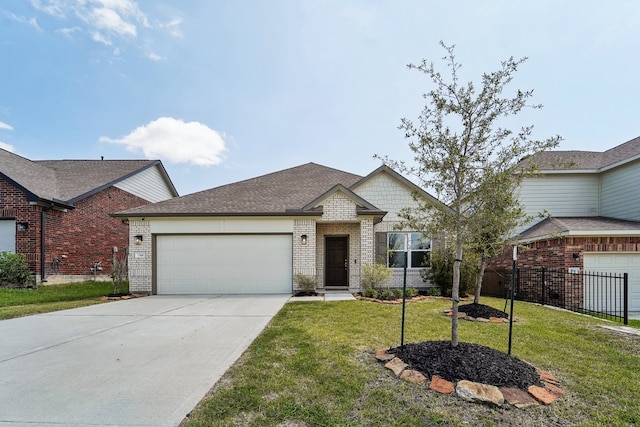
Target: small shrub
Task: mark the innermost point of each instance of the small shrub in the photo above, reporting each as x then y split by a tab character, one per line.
411	292
375	275
14	270
397	292
441	272
387	295
305	282
370	293
434	292
119	273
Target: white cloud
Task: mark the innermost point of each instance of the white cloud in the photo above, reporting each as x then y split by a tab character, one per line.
155	57
52	7
109	22
21	19
3	125
174	27
7	147
176	141
98	37
68	32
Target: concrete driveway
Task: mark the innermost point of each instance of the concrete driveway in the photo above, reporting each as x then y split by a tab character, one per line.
139	362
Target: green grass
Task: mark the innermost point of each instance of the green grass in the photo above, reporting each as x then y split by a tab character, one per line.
25	302
314	366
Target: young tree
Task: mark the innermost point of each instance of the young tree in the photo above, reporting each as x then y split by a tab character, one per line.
495	217
461	151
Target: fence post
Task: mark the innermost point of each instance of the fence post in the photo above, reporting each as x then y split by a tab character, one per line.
544	284
626	298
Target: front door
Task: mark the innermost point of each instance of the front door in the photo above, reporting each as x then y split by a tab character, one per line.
337	261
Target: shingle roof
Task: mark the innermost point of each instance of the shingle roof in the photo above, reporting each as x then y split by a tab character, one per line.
65	181
586	160
76	178
277	193
583	226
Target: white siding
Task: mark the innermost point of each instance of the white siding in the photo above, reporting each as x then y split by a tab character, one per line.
621	192
388	194
148	184
560	195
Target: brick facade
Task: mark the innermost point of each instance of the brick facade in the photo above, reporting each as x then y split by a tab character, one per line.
140	257
75	239
559	252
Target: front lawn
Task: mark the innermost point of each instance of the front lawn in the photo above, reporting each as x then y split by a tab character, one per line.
314	366
25	302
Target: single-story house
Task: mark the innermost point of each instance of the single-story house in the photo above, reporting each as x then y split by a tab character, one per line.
56	212
255	235
593	199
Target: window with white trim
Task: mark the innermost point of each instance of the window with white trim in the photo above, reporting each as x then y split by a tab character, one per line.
417	246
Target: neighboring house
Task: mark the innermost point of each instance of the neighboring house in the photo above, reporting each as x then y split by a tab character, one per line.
56	212
593	199
254	236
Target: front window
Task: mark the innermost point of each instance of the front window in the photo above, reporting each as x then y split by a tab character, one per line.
417	247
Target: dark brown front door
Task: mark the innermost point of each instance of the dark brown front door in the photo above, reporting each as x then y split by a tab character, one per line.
337	261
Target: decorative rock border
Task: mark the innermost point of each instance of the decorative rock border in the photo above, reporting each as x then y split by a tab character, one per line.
121	297
477	392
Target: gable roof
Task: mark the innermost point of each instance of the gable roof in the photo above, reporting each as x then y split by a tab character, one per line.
277	193
362	205
580	226
63	182
404	181
587	161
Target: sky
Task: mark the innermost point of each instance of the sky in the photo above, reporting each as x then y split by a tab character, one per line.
221	91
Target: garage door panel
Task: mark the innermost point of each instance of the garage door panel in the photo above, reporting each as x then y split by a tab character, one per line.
223	264
618	263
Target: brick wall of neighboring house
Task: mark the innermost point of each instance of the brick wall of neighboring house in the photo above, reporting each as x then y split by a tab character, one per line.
80	237
14	204
558	253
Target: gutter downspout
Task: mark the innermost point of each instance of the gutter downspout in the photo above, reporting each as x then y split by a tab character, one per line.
43	222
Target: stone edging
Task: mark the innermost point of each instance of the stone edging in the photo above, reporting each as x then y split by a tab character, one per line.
477	392
114	298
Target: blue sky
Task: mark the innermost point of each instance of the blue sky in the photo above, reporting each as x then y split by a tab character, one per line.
227	90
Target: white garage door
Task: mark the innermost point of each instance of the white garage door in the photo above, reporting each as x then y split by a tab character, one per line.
223	264
618	262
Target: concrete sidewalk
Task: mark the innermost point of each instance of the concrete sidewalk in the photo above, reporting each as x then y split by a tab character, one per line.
140	362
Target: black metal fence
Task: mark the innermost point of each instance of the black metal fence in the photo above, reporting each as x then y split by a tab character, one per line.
599	294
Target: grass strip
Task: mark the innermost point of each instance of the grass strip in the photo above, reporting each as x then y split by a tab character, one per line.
314	366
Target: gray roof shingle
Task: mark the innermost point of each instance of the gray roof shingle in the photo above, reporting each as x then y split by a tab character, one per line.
579	225
66	181
589	160
75	178
277	193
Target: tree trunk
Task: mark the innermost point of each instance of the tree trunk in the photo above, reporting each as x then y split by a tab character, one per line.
479	277
455	292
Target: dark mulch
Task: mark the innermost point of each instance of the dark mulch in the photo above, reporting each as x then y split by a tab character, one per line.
481	310
468	361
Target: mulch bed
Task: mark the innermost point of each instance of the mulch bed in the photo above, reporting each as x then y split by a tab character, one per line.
481	310
468	361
